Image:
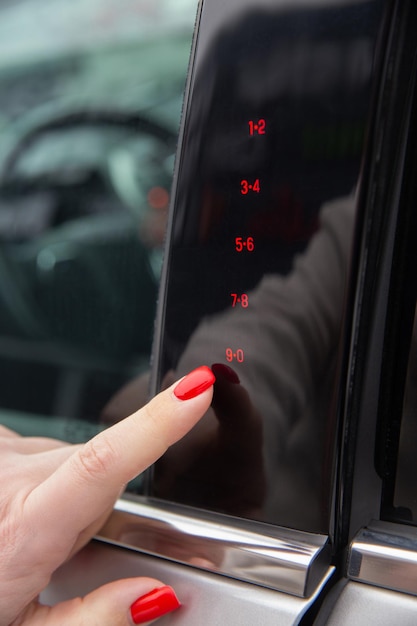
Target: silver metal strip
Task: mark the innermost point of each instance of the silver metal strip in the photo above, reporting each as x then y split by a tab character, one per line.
385	555
290	561
209	600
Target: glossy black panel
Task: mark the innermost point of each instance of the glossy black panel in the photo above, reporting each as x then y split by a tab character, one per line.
258	251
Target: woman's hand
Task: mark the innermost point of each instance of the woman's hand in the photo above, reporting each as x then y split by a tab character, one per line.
54	498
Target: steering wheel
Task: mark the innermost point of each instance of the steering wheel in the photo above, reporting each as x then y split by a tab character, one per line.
83	240
136	122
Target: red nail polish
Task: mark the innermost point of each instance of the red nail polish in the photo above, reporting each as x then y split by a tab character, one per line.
154	604
194	383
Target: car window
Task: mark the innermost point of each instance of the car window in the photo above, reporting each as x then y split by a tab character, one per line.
393	299
397	457
259	254
89	112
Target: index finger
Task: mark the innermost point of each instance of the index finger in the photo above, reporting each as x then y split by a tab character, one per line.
92	478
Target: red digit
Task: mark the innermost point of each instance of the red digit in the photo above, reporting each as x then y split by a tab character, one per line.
240	357
244	187
239	244
261	126
256	186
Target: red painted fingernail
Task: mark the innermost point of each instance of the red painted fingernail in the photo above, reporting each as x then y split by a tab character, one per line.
154	604
194	383
224	371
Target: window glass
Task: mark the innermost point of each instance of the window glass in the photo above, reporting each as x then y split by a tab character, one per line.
260	250
90	101
396	437
404	499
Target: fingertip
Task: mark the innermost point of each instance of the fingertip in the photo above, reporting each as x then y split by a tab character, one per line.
129	601
154	605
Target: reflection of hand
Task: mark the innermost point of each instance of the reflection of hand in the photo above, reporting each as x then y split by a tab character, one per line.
56	496
219	465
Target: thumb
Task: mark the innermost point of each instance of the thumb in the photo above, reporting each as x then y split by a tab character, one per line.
120	603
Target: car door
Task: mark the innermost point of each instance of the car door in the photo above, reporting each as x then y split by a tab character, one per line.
288	269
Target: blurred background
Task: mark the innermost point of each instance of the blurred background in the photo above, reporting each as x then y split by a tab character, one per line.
90	103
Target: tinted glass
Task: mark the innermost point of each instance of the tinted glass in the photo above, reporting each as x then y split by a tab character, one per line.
404	503
259	251
394	455
90	104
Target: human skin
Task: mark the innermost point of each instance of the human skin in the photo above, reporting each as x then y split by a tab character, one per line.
55	496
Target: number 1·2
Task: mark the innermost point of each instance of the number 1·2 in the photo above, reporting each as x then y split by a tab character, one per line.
257	128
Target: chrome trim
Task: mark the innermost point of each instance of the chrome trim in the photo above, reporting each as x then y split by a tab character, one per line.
385	555
208	600
286	560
